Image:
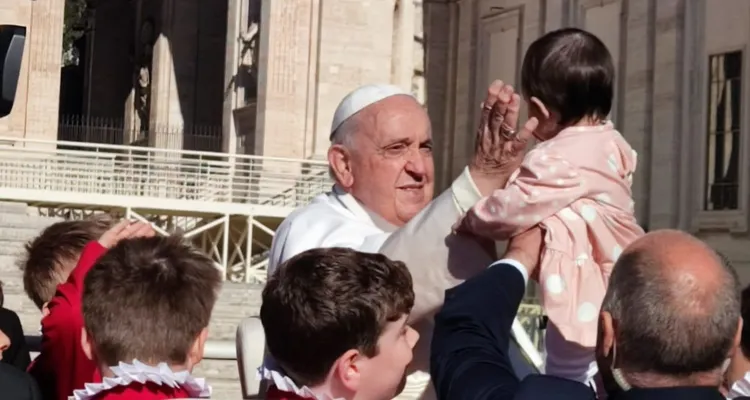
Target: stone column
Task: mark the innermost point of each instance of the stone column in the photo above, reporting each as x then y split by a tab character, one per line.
402	64
44	49
14	124
231	69
283	82
440	32
174	73
164	85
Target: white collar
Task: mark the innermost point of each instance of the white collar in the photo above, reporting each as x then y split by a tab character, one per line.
125	374
360	211
740	387
286	384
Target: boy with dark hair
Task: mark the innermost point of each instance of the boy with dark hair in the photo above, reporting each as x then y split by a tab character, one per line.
51	256
335	324
146	307
576	184
62	366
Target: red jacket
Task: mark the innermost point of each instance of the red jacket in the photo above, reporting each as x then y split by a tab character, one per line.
139	391
62	366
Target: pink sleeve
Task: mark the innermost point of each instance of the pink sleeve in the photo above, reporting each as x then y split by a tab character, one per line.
545	184
623	158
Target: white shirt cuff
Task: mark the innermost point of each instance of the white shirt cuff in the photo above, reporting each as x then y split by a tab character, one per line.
465	192
517	265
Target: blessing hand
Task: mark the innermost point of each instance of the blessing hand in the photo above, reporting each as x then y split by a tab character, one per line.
499	149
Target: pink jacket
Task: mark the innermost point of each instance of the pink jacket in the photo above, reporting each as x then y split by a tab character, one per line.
577	187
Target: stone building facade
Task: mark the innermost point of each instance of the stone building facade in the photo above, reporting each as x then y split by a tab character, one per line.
681	96
270	73
35	113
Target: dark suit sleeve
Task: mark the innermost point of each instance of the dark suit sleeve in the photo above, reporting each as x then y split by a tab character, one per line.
34	392
469	356
17	385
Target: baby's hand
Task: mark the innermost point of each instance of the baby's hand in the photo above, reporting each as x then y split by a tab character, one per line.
125	230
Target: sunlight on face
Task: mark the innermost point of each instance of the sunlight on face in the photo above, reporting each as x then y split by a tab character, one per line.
392	160
384	375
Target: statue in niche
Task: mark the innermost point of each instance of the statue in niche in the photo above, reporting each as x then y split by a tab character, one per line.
250	40
143	76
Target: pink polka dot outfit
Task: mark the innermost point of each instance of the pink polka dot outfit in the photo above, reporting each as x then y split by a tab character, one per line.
577	186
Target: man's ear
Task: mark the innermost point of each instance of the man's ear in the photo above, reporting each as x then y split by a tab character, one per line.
196	351
606	334
45	309
737	339
347	370
540	107
339	160
86	345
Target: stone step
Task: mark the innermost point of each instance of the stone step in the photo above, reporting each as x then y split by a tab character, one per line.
10	207
9	263
236	302
223	376
24	221
12	240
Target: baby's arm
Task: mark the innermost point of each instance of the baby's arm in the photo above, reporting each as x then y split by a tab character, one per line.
543	185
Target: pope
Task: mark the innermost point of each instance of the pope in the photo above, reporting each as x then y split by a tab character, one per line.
381	159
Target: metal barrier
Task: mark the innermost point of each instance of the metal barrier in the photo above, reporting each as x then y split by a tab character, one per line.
214	349
101	169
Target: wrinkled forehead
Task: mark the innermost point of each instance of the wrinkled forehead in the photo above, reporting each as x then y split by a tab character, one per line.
397	118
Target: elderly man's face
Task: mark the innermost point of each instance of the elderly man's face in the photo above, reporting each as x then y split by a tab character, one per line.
390	166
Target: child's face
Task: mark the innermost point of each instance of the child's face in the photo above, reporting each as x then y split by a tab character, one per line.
384	376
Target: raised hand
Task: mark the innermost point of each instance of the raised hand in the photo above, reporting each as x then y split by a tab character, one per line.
499	149
125	230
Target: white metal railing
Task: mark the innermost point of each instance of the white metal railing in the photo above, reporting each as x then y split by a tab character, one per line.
90	168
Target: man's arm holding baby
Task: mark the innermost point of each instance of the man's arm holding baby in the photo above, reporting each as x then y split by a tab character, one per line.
543	185
470	357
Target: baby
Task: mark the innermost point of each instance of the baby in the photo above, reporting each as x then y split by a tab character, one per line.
576	184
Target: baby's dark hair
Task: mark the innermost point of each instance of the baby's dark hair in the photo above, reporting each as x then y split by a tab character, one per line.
572	73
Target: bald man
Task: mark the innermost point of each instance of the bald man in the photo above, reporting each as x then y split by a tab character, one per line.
669	321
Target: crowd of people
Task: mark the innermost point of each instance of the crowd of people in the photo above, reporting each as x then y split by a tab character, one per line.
378	291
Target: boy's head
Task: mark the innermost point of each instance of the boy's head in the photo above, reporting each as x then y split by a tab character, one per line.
54	253
149	299
567	78
335	319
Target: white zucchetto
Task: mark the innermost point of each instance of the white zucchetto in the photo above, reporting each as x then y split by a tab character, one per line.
360	98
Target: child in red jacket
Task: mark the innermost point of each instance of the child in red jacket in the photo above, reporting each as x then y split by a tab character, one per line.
62	366
146	307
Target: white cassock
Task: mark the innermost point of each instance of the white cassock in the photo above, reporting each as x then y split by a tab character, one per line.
436	259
